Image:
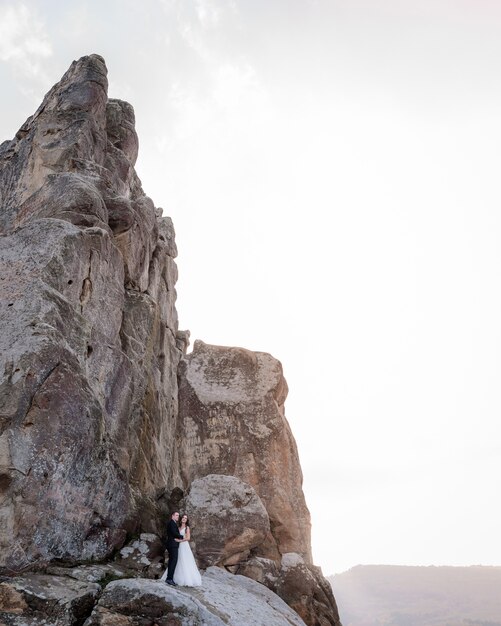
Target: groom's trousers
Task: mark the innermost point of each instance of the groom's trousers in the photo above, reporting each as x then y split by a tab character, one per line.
173	554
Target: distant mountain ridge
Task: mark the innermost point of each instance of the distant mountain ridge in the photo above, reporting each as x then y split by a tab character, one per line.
390	595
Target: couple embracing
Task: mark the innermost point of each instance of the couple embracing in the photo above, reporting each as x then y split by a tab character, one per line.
182	569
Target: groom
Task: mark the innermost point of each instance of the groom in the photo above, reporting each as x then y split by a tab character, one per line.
174	538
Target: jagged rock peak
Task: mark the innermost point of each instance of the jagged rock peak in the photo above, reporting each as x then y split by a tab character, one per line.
88	355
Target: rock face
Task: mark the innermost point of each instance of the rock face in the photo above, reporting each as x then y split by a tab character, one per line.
231	405
99	402
232	421
88	391
142	553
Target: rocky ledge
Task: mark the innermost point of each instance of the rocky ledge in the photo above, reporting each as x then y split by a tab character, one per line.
224	599
99	400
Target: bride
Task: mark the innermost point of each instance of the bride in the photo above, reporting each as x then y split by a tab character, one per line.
186	573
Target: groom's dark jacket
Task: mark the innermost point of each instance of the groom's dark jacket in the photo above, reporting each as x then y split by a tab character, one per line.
172	534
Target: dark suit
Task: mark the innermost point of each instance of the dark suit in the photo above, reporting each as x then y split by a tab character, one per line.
172	547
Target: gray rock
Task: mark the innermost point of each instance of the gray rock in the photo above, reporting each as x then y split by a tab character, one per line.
264	571
92	423
140	553
228	520
27	620
242	601
142	601
183	340
306	590
39	599
231	404
96	573
88	356
222	599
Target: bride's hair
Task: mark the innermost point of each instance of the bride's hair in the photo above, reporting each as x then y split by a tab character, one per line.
181	518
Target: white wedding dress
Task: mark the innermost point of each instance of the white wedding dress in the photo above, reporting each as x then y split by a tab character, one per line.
186	573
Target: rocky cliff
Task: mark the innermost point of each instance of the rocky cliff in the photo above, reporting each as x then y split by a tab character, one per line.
98	399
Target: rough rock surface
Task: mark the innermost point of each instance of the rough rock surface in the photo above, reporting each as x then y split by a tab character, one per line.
223	599
140	553
97	402
88	356
231	405
228	520
95	573
305	589
38	597
232	421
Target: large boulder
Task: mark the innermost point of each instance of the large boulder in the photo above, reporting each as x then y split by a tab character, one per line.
305	589
300	584
91	573
228	520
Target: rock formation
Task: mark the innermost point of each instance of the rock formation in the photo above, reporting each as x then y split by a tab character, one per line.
88	395
224	599
231	408
231	403
92	422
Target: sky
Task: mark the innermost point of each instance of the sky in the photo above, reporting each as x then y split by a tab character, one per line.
331	167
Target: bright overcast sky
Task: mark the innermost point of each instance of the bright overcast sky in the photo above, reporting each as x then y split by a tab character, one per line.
332	170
